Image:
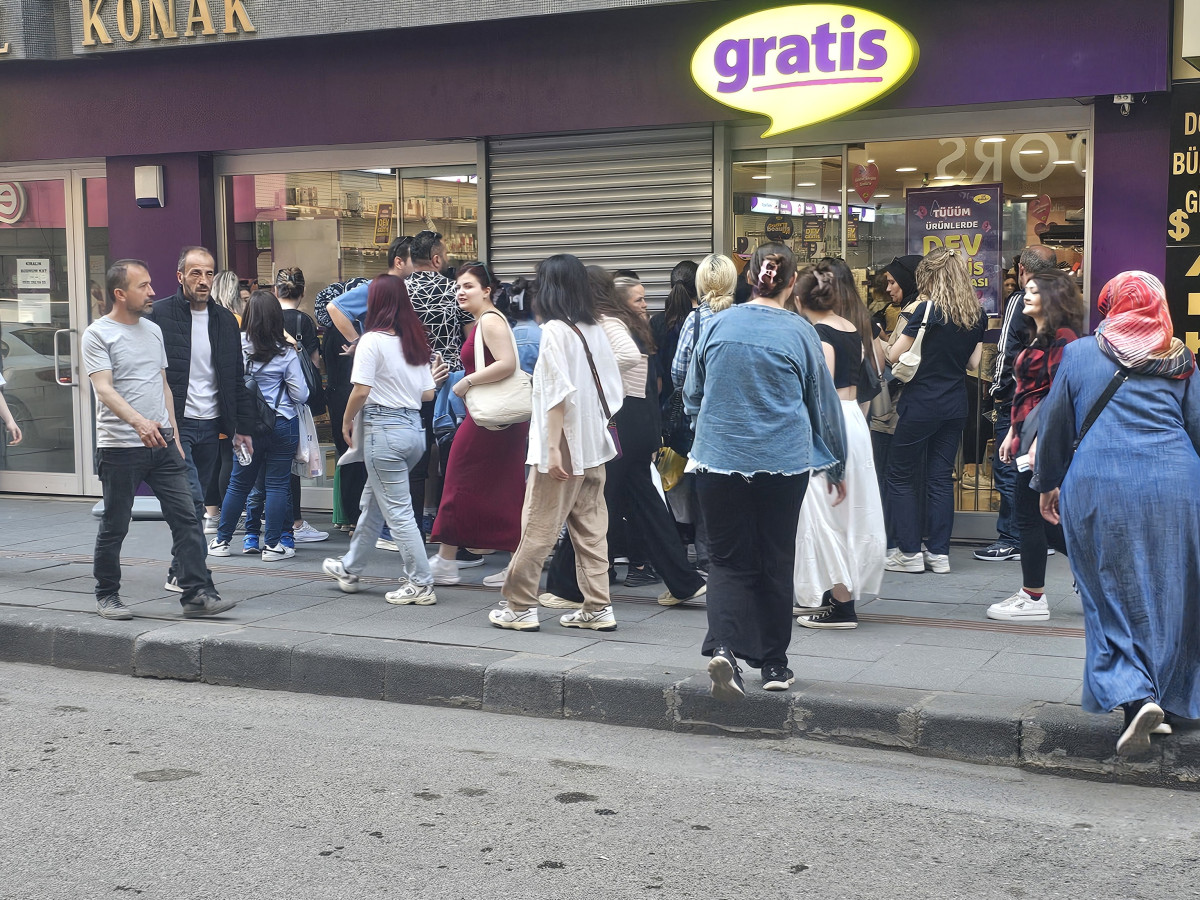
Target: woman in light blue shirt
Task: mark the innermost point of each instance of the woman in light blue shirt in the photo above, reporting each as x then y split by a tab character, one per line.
767	416
276	368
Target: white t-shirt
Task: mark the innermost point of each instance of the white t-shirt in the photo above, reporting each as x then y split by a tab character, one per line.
562	375
201	400
379	364
136	357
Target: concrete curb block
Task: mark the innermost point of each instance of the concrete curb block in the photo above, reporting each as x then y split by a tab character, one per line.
1051	738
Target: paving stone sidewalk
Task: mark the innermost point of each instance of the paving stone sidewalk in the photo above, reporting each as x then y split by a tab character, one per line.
925	670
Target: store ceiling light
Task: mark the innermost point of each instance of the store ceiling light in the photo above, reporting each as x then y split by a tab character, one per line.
1028	196
760	177
883	196
870	161
1031	152
1064	162
806	184
943	177
907	169
992	140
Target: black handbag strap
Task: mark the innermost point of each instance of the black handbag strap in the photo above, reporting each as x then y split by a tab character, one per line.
595	374
1118	379
278	394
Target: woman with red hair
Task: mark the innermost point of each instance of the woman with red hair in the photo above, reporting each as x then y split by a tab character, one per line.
391	379
1124	491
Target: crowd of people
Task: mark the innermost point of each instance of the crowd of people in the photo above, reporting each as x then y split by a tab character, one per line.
819	440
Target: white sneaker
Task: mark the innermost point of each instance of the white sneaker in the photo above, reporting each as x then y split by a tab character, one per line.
604	620
938	563
409	594
276	553
666	598
553	601
347	581
904	562
306	534
496	579
515	621
210	524
445	571
218	548
386	544
1020	606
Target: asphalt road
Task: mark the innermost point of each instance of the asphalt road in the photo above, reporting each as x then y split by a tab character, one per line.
119	787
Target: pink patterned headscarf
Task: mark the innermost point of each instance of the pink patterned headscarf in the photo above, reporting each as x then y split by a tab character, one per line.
1137	330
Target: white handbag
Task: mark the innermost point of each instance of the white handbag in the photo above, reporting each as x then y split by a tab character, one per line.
499	404
906	366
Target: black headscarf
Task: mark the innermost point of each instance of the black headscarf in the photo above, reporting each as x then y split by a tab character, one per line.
903	270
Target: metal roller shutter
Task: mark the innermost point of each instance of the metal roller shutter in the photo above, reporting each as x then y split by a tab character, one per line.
639	200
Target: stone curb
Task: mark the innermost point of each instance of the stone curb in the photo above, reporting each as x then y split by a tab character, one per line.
1051	738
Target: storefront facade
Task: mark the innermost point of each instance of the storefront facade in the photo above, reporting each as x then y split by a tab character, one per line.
578	132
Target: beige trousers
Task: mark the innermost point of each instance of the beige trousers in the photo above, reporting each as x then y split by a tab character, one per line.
578	501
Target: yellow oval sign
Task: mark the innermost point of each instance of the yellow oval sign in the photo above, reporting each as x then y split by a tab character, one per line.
804	64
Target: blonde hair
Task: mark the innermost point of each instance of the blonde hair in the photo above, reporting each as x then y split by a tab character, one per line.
715	281
943	280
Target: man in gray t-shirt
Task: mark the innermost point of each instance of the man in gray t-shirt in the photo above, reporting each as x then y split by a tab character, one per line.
137	440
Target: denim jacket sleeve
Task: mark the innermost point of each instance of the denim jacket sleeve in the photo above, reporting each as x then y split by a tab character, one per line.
693	379
825	410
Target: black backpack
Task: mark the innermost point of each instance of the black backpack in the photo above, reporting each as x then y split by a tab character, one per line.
264	413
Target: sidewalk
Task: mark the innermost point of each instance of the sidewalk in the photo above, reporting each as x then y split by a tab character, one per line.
925	671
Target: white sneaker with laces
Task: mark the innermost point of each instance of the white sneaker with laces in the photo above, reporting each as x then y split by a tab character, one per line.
210	524
276	553
409	594
218	548
506	617
938	563
904	562
445	571
604	620
1020	607
386	544
496	579
306	534
347	581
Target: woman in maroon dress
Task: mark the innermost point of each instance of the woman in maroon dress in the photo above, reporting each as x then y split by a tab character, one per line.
485	474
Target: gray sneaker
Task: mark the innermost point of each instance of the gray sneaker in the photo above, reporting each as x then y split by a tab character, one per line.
111	607
207	605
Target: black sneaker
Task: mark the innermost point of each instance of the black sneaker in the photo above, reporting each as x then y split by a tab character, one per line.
840	615
998	552
726	676
826	602
207	605
467	559
777	678
641	577
111	607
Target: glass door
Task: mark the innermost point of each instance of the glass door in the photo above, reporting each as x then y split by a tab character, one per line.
36	341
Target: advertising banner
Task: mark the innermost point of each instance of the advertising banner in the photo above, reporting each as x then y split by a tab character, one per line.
966	218
1183	217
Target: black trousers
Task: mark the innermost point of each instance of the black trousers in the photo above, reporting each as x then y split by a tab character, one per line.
338	368
752	555
631	497
1036	533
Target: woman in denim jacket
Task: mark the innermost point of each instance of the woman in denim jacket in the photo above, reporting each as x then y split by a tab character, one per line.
767	416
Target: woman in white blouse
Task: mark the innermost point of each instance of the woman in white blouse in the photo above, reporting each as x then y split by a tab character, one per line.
628	490
576	389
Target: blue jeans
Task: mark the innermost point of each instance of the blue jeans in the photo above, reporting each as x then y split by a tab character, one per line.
1004	477
922	448
273	452
121	470
393	442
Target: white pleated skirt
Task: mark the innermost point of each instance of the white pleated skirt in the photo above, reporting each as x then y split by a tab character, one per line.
843	544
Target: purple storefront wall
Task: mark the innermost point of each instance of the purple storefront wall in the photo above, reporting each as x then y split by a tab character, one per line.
624	68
